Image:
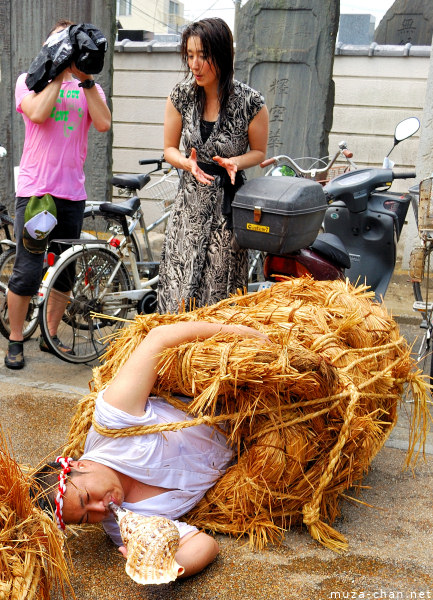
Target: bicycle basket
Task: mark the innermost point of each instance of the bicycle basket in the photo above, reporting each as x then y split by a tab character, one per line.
164	190
425	209
334	171
416	263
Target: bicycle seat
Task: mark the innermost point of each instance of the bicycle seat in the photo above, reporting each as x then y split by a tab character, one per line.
125	209
131	182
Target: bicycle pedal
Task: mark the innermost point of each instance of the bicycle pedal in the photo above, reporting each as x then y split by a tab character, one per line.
422	307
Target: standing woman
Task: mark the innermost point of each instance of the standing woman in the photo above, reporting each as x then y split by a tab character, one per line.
223	126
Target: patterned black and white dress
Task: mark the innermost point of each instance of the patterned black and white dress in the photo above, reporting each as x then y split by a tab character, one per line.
201	262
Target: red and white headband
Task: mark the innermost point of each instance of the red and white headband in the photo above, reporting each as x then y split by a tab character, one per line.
65	462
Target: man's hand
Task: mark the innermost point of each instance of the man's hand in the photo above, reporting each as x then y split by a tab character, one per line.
79	74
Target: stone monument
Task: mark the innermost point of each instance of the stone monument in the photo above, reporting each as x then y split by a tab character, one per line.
285	49
407	21
356	29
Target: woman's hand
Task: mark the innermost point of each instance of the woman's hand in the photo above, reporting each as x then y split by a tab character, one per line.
229	165
123	551
198	173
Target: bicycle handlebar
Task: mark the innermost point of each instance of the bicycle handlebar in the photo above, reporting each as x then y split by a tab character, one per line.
286	160
151	161
267	162
158	162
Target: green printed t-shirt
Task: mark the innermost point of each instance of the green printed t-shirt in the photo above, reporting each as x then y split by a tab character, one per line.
54	151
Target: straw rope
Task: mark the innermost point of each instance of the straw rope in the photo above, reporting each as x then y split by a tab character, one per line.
306	413
32	559
311	510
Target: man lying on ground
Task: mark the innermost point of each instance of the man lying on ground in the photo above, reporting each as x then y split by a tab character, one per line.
164	474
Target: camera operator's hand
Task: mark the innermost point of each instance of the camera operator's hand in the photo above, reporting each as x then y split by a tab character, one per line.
79	74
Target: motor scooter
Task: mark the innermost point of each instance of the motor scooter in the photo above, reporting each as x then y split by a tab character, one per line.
361	226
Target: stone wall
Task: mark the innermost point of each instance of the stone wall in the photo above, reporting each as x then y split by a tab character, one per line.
375	87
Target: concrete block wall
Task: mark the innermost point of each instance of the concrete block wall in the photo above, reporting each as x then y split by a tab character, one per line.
375	88
142	82
144	74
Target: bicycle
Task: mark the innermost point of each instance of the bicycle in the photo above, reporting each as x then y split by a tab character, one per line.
419	267
96	225
7	259
104	279
162	191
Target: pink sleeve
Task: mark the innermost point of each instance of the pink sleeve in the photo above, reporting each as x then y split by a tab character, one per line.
21	90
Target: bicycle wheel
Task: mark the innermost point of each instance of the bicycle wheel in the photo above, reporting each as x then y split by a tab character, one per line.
7	260
424	358
97	225
6	229
90	275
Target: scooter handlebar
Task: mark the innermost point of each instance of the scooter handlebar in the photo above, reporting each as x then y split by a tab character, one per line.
404	175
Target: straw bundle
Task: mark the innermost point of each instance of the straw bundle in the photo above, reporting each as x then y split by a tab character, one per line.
306	413
31	546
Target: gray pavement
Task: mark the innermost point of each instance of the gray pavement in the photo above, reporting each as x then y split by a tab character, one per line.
46	372
388	522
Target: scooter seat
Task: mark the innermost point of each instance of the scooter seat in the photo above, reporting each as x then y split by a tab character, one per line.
330	246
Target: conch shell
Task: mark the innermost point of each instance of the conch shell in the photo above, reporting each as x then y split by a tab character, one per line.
151	543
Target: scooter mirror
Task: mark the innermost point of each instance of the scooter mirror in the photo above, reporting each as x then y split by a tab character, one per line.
405	129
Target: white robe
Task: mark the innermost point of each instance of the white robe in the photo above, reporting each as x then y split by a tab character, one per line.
186	462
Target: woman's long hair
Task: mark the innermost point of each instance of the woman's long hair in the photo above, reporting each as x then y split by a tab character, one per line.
217	44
